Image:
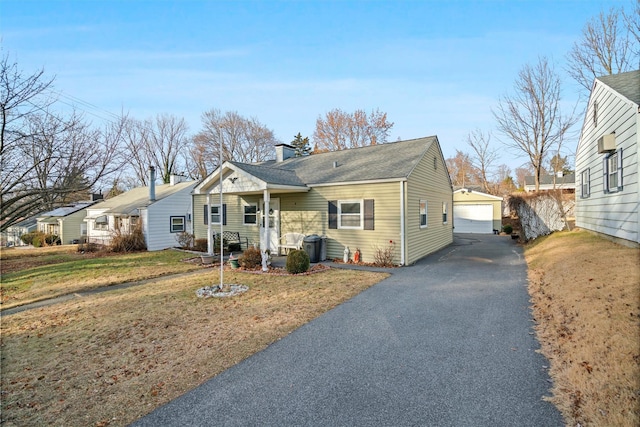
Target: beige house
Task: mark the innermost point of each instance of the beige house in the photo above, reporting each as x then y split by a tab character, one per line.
395	196
476	212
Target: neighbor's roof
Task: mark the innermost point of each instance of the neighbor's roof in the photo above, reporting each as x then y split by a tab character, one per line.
626	84
66	210
548	179
128	203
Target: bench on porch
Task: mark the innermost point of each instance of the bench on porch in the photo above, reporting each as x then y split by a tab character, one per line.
232	242
291	241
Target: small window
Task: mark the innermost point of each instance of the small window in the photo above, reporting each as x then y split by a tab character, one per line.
250	214
444	212
350	214
177	224
423	213
216	214
585	183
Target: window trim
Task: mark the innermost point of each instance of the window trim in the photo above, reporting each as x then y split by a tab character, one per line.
360	202
219	214
616	157
445	213
425	214
171	225
245	214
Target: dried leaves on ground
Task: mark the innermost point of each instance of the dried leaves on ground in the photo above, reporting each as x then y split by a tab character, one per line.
586	300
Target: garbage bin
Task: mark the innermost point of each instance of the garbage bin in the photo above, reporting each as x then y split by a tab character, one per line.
323	248
311	246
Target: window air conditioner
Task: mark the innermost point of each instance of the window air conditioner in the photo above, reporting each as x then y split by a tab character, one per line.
607	143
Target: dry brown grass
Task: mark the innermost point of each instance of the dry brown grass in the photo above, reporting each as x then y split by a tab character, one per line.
112	358
586	300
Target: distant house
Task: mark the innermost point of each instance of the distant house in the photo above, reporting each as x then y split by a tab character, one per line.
559	181
608	159
395	196
12	235
162	211
66	222
476	212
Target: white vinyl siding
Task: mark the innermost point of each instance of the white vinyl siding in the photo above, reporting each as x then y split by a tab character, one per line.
612	211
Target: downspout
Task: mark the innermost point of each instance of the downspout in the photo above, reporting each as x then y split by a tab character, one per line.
402	235
267	237
209	239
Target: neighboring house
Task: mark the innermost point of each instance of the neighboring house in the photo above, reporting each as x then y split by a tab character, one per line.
66	222
394	196
162	211
13	234
608	159
476	212
567	182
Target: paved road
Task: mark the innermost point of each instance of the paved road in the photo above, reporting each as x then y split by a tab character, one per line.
446	342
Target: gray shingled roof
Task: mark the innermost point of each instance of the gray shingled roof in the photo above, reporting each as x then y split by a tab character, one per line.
128	203
626	84
393	160
65	210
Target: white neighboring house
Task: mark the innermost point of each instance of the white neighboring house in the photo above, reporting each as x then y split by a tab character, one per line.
550	182
608	159
14	233
162	210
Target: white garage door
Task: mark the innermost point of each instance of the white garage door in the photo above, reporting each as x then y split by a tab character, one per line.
473	219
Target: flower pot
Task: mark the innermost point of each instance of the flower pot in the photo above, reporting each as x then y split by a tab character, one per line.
207	259
234	263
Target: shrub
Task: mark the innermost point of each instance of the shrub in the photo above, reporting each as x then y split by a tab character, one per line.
298	261
251	258
185	240
128	242
383	256
507	229
27	238
200	245
38	239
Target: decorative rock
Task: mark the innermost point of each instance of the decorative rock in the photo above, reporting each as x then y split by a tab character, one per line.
216	292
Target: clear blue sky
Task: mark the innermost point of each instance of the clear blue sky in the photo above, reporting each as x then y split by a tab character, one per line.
435	67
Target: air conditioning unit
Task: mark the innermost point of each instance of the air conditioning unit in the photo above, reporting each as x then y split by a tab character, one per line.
607	143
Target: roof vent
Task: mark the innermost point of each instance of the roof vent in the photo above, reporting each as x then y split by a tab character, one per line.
607	143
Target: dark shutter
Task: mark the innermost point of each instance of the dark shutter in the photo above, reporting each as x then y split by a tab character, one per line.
619	154
368	214
224	214
605	172
206	214
333	214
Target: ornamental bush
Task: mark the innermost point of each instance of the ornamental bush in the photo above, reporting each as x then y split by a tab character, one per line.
507	229
251	258
298	261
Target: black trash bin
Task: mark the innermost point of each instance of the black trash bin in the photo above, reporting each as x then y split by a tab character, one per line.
311	245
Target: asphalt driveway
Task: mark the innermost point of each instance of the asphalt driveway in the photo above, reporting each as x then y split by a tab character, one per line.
446	342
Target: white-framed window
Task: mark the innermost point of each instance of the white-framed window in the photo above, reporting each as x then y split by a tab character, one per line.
101	223
423	214
350	214
445	211
216	214
250	216
177	224
585	183
612	170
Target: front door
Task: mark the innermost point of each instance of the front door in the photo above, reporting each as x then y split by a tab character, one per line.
274	225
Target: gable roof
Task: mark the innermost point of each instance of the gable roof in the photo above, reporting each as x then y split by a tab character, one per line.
128	203
626	84
548	179
389	161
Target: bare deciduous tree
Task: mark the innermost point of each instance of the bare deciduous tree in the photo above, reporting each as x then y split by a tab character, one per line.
243	140
608	45
531	119
340	130
161	142
46	159
483	157
461	170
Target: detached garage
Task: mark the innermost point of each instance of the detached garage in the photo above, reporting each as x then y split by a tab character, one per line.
476	212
